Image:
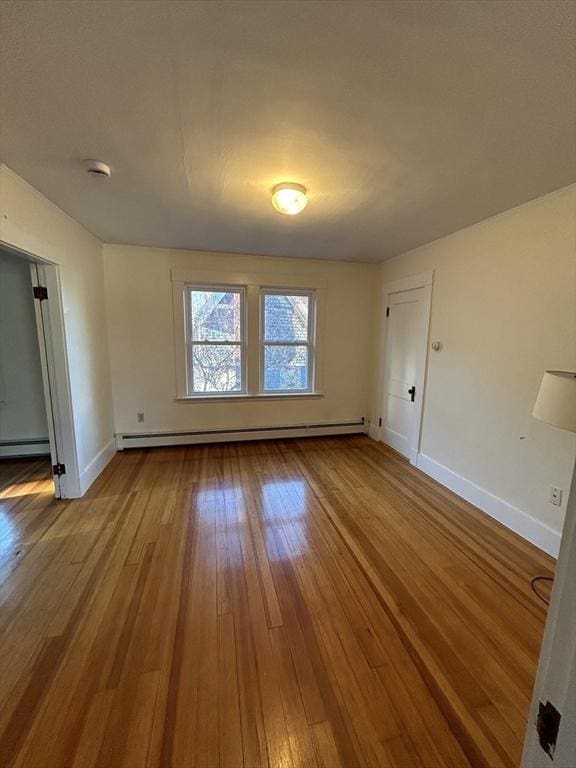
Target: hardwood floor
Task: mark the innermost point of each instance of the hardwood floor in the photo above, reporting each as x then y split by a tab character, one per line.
289	603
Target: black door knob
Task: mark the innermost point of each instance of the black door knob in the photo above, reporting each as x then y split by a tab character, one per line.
412	393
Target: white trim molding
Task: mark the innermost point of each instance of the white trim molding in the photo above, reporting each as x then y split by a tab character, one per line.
374	431
228	277
251	285
408	283
96	466
192	437
517	520
556	674
51	330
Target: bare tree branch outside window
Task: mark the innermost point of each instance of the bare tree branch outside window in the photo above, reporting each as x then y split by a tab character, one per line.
216	336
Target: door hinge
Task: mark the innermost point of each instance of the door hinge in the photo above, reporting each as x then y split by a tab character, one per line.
40	292
59	469
387	311
547	726
380	421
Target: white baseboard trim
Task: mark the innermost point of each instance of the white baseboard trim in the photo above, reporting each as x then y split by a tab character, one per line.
374	431
520	522
159	439
12	449
96	466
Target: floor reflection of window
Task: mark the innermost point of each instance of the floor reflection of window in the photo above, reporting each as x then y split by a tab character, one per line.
284	499
26	489
217	503
287	542
284	518
8	536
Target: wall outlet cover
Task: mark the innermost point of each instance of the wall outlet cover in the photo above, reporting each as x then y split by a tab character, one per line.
555	495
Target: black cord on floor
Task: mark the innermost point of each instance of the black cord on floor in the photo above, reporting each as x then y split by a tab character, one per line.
533	586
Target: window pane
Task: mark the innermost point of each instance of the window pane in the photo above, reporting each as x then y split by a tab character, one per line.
215	315
285	368
216	368
285	317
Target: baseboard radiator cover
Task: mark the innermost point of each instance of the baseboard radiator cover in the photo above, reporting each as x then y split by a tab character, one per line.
36	446
190	437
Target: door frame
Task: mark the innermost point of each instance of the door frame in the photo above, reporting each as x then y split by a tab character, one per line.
423	280
55	370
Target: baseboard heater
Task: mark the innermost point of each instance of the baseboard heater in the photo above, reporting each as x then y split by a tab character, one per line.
15	449
151	439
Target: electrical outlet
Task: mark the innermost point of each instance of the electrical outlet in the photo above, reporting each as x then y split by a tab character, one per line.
555	495
140	417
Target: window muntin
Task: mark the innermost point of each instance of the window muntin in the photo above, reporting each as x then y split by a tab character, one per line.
216	340
287	340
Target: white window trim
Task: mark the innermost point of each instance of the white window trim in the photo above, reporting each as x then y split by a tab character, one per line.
309	343
184	276
190	343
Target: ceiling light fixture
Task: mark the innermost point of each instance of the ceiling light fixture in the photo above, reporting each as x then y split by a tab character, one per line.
289	198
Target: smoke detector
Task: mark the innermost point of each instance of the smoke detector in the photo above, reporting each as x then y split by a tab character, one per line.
96	168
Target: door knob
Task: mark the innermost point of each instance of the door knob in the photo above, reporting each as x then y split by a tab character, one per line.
412	393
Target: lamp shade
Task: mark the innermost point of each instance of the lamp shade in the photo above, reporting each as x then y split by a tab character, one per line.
556	401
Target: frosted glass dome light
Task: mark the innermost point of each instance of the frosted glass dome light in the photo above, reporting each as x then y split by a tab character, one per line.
289	198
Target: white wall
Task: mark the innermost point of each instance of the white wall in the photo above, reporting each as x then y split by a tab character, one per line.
30	222
22	407
503	306
140	320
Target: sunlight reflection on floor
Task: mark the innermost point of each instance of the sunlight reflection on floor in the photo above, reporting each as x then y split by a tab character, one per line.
8	535
26	489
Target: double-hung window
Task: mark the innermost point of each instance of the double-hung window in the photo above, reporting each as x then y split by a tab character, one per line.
287	324
216	339
245	338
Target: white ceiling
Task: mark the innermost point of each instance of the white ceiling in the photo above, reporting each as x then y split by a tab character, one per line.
406	120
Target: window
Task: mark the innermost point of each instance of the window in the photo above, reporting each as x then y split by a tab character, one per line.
215	339
239	335
287	335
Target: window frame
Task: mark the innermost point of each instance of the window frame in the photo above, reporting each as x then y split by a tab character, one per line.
189	342
184	275
310	343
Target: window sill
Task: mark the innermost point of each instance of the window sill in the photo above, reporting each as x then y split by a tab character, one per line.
261	396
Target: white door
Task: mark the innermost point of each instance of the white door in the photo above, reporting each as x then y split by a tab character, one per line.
47	378
405	345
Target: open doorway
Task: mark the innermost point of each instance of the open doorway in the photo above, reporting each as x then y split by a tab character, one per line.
36	434
25	422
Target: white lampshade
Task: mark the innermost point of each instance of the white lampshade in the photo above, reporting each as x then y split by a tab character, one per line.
556	401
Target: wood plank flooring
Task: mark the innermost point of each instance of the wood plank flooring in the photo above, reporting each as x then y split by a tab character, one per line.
288	603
